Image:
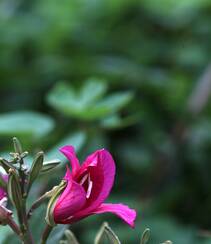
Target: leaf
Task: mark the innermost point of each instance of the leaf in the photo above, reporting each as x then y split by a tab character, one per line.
49	165
5	231
36	168
3	183
88	103
116	101
57	234
115	121
25	123
92	90
106	233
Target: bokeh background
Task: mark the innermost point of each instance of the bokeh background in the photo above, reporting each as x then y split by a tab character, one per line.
131	76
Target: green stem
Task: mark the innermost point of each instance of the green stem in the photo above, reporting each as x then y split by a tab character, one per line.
46	234
36	204
14	227
26	230
22	216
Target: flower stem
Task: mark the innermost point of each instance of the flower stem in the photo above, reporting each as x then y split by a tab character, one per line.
27	236
46	234
36	204
14	227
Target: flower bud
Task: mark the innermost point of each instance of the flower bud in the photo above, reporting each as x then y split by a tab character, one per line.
14	189
4	212
17	145
35	169
145	236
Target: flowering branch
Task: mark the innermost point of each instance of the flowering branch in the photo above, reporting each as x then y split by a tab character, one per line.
81	193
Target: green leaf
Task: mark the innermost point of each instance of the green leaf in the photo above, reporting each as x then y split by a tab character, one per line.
57	234
36	168
116	101
106	233
115	121
88	103
5	231
92	90
49	165
25	123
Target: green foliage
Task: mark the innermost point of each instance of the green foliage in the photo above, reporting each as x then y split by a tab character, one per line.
28	124
88	103
147	58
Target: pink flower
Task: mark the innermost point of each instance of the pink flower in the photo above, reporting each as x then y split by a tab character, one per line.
2	191
87	188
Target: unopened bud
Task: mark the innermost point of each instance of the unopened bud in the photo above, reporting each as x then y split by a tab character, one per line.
14	189
145	236
17	146
4	212
106	233
35	169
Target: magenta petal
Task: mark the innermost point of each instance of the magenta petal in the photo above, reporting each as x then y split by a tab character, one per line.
102	176
101	168
71	201
124	212
69	152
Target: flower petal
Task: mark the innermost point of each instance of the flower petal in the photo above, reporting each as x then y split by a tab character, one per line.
124	212
69	153
100	165
71	201
102	175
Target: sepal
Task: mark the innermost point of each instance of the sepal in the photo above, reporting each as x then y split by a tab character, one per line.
57	190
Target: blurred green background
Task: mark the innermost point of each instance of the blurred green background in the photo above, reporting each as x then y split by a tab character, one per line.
131	76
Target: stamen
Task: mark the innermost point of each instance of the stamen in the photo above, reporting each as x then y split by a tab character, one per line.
83	179
89	190
90	184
